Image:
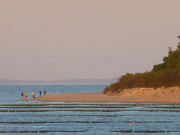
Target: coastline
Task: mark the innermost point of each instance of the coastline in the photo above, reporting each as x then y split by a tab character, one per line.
100	97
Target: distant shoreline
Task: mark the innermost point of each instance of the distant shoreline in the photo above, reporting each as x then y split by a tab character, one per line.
100	97
58	82
55	84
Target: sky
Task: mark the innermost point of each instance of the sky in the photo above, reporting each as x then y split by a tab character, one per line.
84	39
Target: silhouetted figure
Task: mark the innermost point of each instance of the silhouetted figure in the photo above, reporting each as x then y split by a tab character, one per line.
39	93
44	92
22	94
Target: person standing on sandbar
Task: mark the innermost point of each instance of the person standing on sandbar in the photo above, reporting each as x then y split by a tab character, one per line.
39	93
33	94
26	95
44	92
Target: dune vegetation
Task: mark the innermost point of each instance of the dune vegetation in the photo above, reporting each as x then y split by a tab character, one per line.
165	74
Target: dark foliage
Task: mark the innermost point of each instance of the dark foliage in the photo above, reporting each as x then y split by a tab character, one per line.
165	74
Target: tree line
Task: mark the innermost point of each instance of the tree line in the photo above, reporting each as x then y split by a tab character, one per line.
166	74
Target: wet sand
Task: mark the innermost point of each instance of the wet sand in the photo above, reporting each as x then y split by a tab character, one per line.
100	97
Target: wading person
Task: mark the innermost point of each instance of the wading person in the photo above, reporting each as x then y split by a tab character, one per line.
26	95
22	94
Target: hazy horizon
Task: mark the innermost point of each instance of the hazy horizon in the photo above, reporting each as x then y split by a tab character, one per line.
67	39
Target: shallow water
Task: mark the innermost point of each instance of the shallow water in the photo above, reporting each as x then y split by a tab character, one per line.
17	117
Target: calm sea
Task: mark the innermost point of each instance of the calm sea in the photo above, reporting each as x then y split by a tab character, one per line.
79	118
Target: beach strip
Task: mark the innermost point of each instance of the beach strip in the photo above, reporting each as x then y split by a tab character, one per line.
100	97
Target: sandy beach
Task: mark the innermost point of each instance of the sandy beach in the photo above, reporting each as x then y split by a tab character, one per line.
100	97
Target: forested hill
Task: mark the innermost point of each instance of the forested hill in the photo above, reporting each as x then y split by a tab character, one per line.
165	74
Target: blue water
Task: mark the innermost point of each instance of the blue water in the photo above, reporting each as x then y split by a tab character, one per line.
79	118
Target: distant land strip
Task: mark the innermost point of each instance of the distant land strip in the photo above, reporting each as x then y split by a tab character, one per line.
55	82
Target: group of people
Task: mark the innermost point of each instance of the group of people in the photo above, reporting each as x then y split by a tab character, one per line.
33	94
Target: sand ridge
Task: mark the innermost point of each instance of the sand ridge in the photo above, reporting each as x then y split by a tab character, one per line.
171	92
161	95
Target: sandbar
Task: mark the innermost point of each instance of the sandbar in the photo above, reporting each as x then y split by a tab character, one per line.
101	97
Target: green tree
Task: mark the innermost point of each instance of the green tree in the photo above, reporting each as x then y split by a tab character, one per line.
164	74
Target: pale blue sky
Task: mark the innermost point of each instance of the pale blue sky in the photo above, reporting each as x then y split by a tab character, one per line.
69	39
